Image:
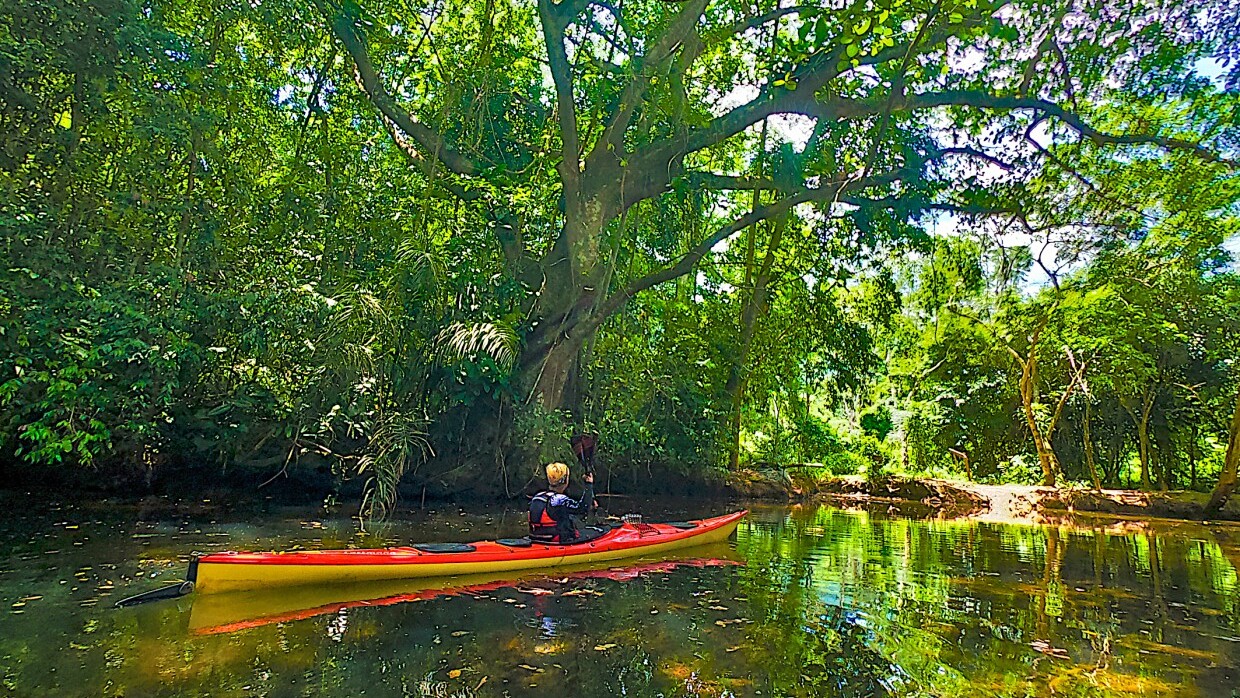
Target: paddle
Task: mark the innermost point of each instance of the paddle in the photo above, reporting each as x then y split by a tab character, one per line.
172	591
584	446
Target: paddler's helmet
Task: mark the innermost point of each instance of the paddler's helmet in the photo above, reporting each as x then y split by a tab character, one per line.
557	474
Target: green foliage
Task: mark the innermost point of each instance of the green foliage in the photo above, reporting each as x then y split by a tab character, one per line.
876	421
217	251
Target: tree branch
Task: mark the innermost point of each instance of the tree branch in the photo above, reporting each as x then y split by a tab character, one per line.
678	32
827	193
983	100
555	19
743	25
429	141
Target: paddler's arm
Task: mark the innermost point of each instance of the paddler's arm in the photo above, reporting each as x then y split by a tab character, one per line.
582	505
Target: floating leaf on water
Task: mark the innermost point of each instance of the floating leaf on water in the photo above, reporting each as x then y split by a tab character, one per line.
733	649
536	670
536	591
1046	648
484	680
582	592
454	674
604	648
718	608
460	633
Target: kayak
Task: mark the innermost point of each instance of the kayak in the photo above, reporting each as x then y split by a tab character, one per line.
243	610
235	571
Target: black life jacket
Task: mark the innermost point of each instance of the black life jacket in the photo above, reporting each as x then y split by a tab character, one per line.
547	523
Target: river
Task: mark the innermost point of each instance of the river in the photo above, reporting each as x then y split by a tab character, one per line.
804	601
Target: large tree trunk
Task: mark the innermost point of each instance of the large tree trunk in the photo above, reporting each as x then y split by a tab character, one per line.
1089	449
550	377
1028	395
1227	479
1142	423
1192	457
564	316
1143	446
754	309
735	386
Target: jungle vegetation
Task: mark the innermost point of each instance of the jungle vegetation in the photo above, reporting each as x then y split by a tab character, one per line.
428	239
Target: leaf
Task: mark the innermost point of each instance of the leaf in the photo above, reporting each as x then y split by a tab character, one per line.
454	674
527	667
604	648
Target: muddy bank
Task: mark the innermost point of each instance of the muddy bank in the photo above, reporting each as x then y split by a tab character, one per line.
942	498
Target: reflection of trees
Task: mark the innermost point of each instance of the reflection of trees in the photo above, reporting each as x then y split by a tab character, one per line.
831	603
1021	597
1051	593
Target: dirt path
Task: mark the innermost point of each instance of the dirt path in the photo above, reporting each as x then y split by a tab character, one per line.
1008	503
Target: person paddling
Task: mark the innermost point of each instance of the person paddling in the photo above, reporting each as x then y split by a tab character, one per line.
552	511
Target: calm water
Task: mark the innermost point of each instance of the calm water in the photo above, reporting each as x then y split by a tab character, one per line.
804	602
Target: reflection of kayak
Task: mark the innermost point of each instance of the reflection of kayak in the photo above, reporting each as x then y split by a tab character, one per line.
222	572
241	610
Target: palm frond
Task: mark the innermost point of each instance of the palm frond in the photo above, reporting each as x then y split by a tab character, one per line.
398	447
418	275
463	341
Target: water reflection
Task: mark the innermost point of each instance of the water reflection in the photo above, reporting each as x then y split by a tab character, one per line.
827	603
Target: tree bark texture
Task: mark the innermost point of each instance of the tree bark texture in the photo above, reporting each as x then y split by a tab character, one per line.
1228	478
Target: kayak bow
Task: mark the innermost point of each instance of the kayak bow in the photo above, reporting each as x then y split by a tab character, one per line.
222	572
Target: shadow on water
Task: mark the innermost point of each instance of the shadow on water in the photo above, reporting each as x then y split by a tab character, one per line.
826	602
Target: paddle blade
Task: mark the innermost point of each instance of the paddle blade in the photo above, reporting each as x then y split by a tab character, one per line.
171	591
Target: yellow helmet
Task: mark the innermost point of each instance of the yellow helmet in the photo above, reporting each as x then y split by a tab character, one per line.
557	474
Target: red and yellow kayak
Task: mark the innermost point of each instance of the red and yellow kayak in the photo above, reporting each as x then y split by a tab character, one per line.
223	572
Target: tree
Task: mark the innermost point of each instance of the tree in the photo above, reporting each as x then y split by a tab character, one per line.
634	116
1227	480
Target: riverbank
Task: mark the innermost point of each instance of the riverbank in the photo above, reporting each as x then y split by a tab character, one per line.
914	497
959	499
